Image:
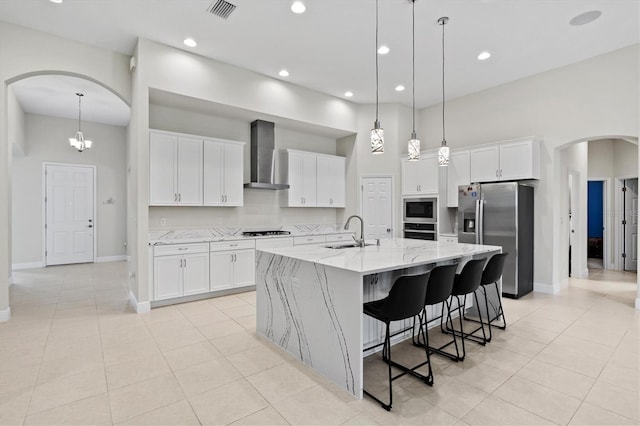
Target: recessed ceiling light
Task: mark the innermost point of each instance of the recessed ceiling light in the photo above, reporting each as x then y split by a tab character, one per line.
190	42
298	7
483	56
585	18
348	94
56	1
383	50
399	88
284	73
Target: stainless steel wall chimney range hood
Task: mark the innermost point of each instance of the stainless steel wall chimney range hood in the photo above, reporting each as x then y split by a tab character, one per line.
263	157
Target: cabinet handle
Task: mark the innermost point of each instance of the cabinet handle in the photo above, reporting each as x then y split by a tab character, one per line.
179	197
500	172
185	263
181	262
496	172
175	196
222	198
182	248
233	245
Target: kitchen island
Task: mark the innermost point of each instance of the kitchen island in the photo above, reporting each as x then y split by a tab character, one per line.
309	299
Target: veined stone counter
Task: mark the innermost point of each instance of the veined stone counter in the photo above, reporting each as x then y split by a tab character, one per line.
309	299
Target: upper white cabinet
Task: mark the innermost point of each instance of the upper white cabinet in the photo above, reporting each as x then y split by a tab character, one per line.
175	170
315	180
458	173
510	160
330	180
223	173
420	177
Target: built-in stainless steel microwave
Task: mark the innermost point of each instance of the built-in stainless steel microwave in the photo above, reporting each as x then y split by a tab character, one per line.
420	210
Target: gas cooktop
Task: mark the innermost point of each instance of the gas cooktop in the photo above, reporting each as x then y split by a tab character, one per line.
264	233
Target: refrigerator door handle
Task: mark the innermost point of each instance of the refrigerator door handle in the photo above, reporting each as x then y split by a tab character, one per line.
480	229
477	220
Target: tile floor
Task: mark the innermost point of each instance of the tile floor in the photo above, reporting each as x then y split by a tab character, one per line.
75	353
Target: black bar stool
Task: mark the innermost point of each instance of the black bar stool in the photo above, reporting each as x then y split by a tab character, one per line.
439	290
405	300
466	282
491	275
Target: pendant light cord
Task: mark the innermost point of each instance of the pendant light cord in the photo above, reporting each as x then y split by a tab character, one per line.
444	22
79	112
413	61
376	52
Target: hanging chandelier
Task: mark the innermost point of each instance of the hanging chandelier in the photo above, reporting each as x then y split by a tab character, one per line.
413	146
377	133
78	141
443	152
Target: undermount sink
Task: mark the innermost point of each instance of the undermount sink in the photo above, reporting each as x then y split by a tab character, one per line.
346	245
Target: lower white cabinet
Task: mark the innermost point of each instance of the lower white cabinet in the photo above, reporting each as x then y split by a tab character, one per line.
310	239
180	270
233	264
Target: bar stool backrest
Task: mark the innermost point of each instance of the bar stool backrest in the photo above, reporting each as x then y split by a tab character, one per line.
406	298
440	284
493	271
469	279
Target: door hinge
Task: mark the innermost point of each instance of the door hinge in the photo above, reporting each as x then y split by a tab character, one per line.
624	189
45	199
624	255
46	253
624	222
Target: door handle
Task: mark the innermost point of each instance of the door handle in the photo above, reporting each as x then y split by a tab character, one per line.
388	229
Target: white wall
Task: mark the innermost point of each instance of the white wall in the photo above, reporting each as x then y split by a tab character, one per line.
47	142
625	158
594	98
25	52
261	207
16	128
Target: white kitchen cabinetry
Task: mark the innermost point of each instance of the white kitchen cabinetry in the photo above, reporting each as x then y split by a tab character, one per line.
458	173
180	270
510	160
232	264
315	180
274	242
339	238
175	169
330	181
420	177
448	238
223	173
309	239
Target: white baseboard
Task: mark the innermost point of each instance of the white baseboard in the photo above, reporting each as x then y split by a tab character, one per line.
5	314
140	307
544	288
637	303
119	258
27	265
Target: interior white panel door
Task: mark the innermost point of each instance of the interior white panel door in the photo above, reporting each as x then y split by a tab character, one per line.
233	175
69	218
631	227
162	169
190	171
213	173
377	207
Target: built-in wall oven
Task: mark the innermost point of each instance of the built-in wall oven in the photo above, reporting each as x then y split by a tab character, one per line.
420	218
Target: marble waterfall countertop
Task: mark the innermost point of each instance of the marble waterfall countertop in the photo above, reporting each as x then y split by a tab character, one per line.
390	255
178	236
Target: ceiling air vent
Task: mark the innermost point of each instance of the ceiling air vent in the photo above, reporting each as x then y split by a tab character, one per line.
221	8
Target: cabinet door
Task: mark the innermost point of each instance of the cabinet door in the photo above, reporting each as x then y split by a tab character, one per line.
233	175
324	181
189	171
213	173
309	179
516	160
162	169
484	164
410	177
457	174
196	273
428	174
337	172
295	178
221	267
167	277
244	267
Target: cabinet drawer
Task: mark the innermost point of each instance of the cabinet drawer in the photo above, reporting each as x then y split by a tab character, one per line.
233	245
172	249
331	238
274	242
312	239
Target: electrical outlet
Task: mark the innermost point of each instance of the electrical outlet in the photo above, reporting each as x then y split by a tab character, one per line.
163	221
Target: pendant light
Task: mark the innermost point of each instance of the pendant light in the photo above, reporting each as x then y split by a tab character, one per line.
413	146
443	152
79	142
377	133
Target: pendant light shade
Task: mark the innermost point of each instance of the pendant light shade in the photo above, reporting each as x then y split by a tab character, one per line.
443	152
413	147
377	133
78	141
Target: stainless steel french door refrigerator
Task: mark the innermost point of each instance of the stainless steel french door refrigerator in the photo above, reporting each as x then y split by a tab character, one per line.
501	214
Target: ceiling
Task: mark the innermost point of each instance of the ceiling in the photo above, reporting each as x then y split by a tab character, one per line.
330	48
